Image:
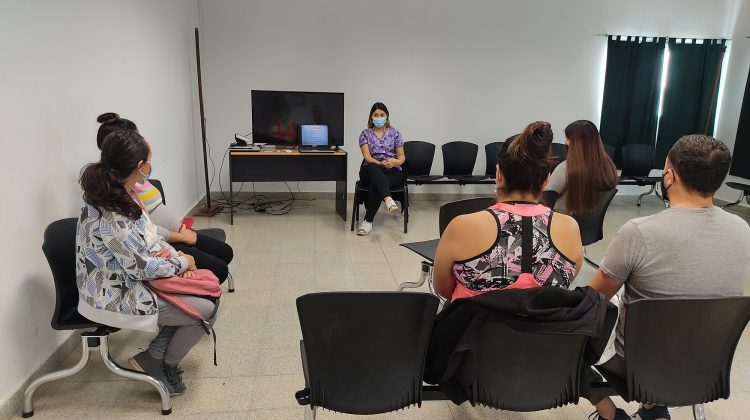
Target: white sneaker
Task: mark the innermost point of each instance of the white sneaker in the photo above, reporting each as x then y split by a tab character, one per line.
364	228
391	205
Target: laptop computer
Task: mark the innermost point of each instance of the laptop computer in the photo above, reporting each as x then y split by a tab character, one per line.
313	139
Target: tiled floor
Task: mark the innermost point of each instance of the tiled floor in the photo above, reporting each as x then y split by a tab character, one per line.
277	259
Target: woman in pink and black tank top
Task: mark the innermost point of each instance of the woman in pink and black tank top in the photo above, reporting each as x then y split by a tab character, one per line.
516	243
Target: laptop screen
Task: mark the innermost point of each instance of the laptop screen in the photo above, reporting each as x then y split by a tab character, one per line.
313	135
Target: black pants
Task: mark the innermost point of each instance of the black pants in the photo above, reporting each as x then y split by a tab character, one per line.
378	180
210	254
615	365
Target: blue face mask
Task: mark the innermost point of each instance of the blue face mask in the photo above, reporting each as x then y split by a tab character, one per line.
379	122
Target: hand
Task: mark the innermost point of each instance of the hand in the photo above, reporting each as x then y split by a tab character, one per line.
190	260
387	163
188	274
188	236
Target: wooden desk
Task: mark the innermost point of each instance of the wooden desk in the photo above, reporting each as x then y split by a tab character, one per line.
277	165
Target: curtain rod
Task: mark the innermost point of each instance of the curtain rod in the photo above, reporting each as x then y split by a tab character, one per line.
672	37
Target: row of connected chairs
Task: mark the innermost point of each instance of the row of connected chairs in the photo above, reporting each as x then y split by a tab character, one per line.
358	358
459	159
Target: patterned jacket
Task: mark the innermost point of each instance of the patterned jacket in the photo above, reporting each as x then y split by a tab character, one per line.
114	254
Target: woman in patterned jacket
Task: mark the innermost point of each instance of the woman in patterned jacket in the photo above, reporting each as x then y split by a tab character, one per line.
118	248
516	243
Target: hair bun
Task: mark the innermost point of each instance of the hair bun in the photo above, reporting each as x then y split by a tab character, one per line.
533	143
108	118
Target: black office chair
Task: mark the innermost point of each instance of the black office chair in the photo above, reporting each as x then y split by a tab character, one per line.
419	156
459	158
679	352
517	371
60	249
559	152
549	198
491	151
216	233
637	163
610	151
744	193
399	193
363	352
591	224
426	249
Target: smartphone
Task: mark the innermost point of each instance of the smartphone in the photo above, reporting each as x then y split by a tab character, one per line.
188	222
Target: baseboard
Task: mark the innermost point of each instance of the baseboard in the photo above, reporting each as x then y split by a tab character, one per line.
12	407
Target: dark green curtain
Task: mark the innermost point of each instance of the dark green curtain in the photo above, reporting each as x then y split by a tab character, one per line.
631	91
691	92
741	152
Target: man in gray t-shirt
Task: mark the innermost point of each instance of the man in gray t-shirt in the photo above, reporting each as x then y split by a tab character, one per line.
693	249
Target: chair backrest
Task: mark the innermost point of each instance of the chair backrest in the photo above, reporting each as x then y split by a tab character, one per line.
491	151
559	153
459	158
549	198
419	156
523	371
637	159
450	210
679	351
610	151
59	248
156	183
365	351
591	224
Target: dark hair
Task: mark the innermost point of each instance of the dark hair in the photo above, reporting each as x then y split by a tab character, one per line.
590	170
102	182
110	122
525	159
375	107
701	162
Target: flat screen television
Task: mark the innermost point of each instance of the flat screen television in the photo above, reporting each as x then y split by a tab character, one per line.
277	115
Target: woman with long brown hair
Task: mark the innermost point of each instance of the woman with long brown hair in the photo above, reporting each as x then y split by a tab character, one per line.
587	171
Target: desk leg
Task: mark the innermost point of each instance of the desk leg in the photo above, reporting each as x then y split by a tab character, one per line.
341	199
231	201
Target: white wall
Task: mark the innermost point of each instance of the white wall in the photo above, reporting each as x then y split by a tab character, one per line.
736	78
61	65
450	70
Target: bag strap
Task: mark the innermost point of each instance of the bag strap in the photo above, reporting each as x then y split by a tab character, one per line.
190	311
527	244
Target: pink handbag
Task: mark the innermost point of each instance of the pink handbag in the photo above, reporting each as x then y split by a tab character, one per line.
204	283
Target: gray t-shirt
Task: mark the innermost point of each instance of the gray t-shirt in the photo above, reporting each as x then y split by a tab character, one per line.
557	184
679	253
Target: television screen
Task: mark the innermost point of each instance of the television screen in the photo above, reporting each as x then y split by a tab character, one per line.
313	135
277	115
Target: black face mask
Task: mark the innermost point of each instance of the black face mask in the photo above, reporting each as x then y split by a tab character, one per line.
664	188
